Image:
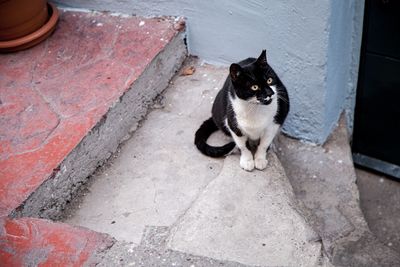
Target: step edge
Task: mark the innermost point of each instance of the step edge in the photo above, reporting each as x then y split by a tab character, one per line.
50	198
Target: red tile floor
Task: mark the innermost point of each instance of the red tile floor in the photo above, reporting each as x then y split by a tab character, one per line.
37	242
51	96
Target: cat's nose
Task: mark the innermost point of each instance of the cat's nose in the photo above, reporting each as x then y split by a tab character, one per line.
270	92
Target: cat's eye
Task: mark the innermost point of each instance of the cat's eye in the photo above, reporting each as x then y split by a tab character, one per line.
269	81
254	87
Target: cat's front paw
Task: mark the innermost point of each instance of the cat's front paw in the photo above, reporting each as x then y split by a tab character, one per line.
247	163
260	163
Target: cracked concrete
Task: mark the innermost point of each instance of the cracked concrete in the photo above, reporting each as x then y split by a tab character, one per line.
206	207
152	251
323	178
146	184
379	197
167	204
250	218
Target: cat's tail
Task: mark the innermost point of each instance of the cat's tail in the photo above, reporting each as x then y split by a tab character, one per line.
200	140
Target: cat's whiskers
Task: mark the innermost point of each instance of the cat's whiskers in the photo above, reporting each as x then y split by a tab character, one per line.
283	99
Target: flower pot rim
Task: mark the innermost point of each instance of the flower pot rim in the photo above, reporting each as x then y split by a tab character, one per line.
34	37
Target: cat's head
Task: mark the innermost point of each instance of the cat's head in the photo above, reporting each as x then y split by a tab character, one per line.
254	82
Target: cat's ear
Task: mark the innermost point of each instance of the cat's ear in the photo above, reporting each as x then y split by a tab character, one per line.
235	71
262	59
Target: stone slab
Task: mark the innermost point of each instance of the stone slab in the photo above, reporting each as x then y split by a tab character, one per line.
248	217
152	251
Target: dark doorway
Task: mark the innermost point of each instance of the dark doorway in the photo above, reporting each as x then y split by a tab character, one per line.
376	136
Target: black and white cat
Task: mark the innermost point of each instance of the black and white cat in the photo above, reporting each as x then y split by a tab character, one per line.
251	107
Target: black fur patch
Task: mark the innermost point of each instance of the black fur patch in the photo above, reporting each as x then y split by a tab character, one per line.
200	140
283	104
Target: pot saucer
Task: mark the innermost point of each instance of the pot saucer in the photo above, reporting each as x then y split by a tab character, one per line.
34	37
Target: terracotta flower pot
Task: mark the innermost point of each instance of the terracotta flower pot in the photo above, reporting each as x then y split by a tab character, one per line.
24	23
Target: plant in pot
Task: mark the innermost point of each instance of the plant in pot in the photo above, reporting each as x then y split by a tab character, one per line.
25	23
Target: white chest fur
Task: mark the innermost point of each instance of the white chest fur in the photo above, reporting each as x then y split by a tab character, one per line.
254	118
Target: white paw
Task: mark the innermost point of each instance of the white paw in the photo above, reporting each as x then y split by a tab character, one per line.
247	163
261	163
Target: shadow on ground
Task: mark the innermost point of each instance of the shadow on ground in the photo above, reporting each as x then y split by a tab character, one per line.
380	198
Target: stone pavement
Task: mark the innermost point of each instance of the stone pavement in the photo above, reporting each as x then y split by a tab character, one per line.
208	212
208	207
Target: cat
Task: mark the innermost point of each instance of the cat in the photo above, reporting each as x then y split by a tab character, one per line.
251	108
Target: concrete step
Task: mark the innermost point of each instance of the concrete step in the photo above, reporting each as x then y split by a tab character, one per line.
67	103
206	207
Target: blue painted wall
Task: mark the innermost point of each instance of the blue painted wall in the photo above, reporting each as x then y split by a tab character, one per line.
342	63
312	44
